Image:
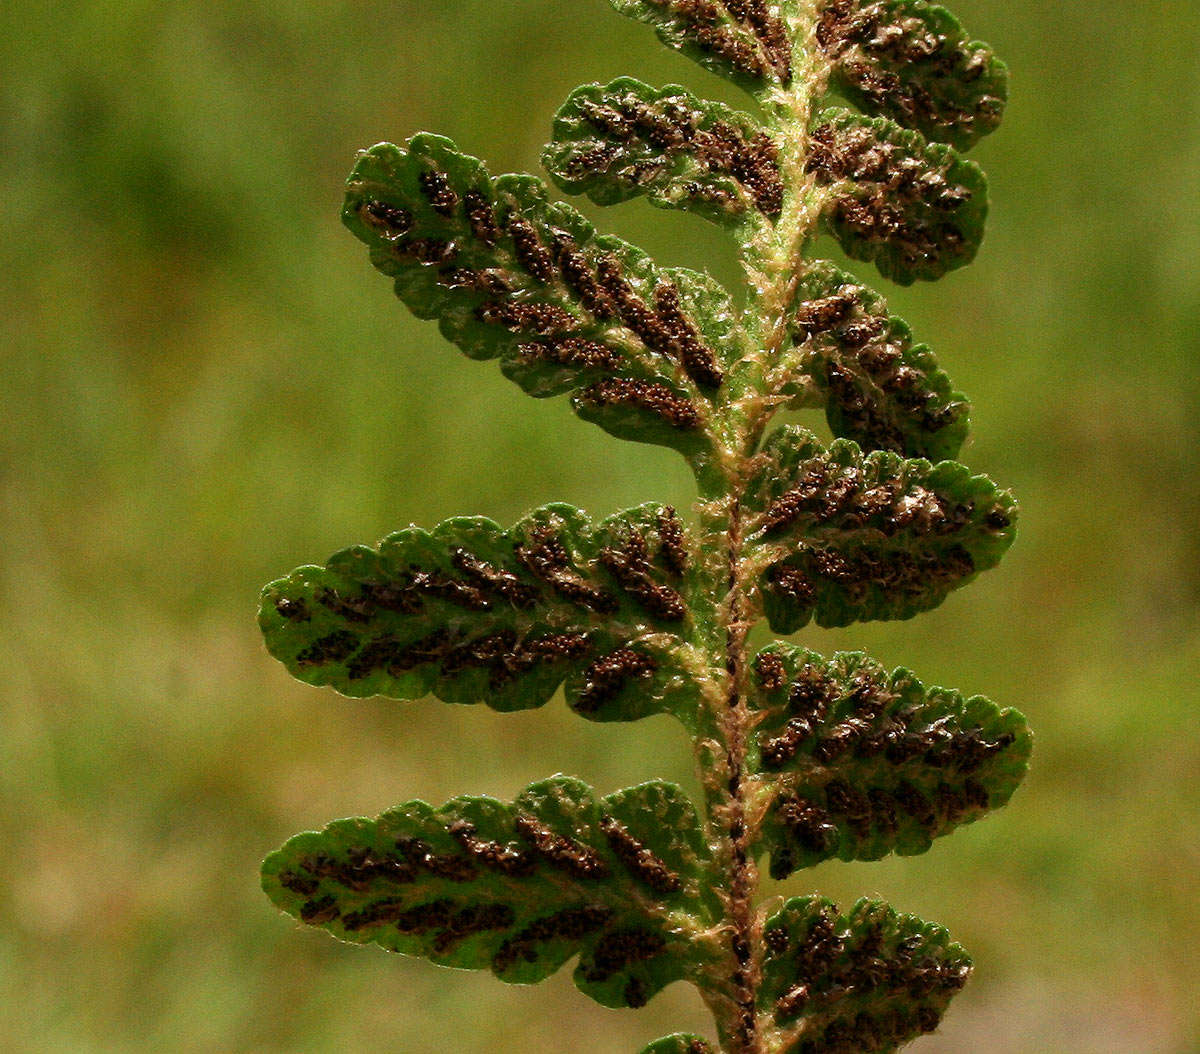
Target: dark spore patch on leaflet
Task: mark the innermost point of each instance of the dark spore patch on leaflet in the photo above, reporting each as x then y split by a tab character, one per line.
495	580
399	597
915	804
293	609
579	273
650	396
377	913
815	317
423	918
665	329
531	253
317	912
389	221
608	675
792	583
777	940
672	549
536	651
333	647
769	672
506	658
301	885
547	558
839	739
472	919
451	590
540	319
808	823
883	811
570	924
360	869
851	805
574	352
495	856
566	854
438	192
449	866
643	864
683	342
352	609
635	993
488	651
630	566
620	948
481	217
808	701
385	652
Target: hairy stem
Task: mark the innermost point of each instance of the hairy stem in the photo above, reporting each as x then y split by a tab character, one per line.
774	264
743	878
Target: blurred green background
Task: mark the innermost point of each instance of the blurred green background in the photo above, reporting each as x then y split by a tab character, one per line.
208	386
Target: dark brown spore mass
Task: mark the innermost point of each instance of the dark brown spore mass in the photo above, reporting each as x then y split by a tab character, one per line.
608	675
672	548
566	854
653	398
630	566
545	556
334	647
643	864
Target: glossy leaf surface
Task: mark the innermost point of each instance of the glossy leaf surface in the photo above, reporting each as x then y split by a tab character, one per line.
516	888
868	763
620	140
878	388
514	276
913	208
913	62
865	982
679	1043
474	613
747	41
852	538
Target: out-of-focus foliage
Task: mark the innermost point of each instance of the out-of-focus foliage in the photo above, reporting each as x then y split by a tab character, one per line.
189	343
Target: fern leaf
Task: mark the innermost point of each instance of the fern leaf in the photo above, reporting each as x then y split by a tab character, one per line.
747	41
514	276
516	888
472	612
679	1043
865	982
912	61
857	361
878	388
849	538
862	763
913	208
616	141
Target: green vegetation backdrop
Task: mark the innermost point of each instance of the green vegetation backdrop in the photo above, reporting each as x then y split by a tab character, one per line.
208	385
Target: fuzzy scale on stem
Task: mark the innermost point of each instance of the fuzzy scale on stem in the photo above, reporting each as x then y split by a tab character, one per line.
774	264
